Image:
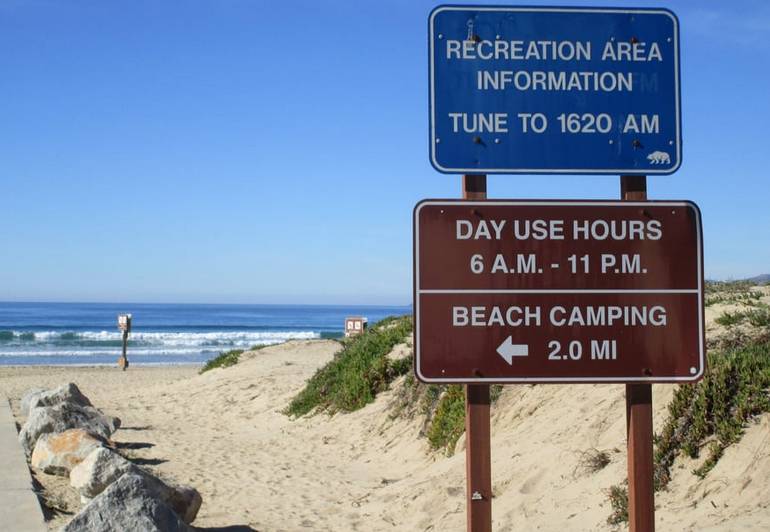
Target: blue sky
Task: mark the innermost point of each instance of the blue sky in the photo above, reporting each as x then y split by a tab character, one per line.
267	152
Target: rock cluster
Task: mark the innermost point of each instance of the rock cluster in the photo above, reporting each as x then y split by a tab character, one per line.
100	468
65	435
132	503
64	416
67	393
58	452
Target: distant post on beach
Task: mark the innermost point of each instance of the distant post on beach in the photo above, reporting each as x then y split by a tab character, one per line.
124	324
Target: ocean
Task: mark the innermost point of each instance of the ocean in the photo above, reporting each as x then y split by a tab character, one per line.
87	333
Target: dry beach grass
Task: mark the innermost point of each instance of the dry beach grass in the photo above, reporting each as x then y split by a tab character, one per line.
556	450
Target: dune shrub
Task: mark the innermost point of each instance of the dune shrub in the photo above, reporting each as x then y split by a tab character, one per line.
223	360
357	373
448	422
712	413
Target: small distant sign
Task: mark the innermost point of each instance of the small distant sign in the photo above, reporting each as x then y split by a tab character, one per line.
558	291
124	322
554	90
355	325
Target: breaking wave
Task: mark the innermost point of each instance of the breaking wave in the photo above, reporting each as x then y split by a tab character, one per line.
177	346
110	338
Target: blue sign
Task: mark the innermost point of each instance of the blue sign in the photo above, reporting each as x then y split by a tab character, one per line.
554	90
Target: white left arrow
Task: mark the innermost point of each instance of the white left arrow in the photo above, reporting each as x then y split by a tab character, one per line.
508	350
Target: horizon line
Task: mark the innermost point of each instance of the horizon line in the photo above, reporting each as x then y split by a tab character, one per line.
92	302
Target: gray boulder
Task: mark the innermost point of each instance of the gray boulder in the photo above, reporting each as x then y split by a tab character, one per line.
130	504
66	393
28	397
97	471
44	420
185	500
102	467
58	453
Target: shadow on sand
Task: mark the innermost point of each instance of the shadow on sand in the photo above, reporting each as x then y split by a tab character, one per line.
232	528
133	445
148	461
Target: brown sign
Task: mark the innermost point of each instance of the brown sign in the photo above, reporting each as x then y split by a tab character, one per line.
558	291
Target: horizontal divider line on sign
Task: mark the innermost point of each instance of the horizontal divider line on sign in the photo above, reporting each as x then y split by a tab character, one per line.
558	291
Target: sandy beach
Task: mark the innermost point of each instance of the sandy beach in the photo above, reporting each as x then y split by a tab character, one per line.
224	433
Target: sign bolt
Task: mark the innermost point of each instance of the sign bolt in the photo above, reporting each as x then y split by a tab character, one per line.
477	140
497	141
637	143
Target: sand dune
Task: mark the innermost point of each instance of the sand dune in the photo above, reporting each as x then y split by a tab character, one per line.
223	432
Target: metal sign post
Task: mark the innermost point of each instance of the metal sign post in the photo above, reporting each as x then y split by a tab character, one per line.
641	497
478	459
539	291
556	291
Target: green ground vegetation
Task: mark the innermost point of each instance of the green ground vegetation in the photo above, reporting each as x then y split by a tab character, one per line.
731	292
714	411
756	317
709	415
448	422
357	373
748	323
229	358
223	360
618	497
441	407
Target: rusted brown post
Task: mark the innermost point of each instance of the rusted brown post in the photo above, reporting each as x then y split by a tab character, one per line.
123	362
478	463
124	324
641	498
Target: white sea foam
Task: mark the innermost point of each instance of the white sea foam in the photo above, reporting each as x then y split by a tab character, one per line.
105	351
67	347
218	338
